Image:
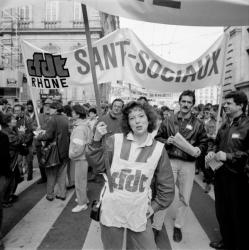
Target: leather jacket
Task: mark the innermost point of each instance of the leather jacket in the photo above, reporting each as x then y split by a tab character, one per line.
191	128
233	139
57	129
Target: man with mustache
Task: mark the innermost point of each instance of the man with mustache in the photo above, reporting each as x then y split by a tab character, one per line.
183	164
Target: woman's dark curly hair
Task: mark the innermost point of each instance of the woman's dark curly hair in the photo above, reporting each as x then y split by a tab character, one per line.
149	111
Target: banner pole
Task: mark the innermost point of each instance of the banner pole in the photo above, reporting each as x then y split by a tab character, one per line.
96	90
222	84
30	89
90	51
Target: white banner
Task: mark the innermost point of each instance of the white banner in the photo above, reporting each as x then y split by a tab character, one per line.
121	56
178	12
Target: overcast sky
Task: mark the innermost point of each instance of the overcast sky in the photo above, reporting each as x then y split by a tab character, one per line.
179	44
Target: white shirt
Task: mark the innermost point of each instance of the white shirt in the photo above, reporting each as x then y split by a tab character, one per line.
135	147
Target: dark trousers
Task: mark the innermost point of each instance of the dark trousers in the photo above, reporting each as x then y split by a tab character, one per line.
11	185
29	159
232	210
41	166
207	172
3	183
57	175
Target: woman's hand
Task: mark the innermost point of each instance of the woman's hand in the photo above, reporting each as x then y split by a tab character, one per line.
101	130
197	152
150	212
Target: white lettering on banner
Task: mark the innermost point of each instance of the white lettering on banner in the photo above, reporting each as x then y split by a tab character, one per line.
121	56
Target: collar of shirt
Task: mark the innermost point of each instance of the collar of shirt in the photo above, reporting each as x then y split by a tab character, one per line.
148	141
136	148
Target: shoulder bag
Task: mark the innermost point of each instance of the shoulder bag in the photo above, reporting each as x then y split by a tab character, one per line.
50	153
96	204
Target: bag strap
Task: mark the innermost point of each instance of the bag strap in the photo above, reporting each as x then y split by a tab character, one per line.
56	131
107	164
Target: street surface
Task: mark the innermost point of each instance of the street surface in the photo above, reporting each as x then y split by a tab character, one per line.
35	223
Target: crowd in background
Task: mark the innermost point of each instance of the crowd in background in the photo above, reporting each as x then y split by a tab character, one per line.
72	127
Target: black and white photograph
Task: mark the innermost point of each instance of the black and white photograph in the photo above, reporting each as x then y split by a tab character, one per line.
124	124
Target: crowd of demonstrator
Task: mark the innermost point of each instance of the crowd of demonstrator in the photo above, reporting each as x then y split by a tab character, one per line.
145	163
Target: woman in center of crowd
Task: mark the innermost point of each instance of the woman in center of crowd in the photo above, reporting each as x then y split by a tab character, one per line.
139	165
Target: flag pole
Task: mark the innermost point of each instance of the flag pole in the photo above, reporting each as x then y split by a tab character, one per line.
90	52
222	84
30	89
96	90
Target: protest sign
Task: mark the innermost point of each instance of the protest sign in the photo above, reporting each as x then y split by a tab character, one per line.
121	56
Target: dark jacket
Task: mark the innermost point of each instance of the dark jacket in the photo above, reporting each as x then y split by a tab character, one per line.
27	122
43	119
58	125
191	129
15	142
113	123
32	119
4	155
233	139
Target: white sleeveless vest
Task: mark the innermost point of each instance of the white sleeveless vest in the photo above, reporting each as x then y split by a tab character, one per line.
127	206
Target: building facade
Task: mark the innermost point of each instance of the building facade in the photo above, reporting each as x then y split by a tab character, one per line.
208	95
54	26
236	75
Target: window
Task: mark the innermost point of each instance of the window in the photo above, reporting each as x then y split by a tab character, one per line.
24	17
52	11
74	93
77	13
24	13
6	14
